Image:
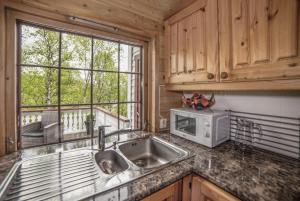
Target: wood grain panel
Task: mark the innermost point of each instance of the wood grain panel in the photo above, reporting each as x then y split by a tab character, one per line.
260	41
240	32
273	85
186	188
196	189
211	24
11	84
284	23
203	190
168	100
259	30
2	79
200	42
181	47
190	23
169	193
174	47
99	11
225	36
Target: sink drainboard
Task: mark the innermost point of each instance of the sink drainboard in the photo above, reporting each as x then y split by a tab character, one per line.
47	177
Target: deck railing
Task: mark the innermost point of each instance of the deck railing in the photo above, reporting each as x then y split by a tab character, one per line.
73	119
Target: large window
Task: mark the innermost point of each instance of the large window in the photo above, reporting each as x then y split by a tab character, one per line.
69	84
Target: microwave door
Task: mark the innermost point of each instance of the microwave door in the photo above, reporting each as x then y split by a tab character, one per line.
186	124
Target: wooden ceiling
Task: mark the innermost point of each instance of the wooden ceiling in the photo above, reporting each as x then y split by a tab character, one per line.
143	15
156	10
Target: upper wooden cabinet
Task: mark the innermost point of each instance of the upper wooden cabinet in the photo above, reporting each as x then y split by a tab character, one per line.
234	44
192	44
259	39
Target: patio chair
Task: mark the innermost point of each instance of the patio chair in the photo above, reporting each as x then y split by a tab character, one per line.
44	131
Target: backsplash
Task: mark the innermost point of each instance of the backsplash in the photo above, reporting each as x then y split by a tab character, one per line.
278	115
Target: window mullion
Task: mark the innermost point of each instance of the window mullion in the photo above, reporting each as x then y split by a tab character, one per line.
92	87
118	89
141	94
59	87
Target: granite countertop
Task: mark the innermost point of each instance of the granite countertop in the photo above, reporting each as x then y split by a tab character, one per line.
6	163
249	175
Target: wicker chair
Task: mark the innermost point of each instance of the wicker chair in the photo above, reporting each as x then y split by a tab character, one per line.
44	131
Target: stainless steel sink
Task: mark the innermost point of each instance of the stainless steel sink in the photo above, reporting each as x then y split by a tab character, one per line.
70	174
151	152
110	162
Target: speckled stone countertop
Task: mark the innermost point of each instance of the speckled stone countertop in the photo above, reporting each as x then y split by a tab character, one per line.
249	175
6	162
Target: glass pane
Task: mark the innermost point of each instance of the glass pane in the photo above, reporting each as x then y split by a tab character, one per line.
129	87
75	87
105	87
77	122
76	51
105	55
129	58
186	125
39	46
107	115
130	116
38	86
39	126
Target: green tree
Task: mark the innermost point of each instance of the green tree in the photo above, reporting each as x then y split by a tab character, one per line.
39	86
39	47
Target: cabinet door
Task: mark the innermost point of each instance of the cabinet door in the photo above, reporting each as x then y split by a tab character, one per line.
170	193
193	44
259	39
203	190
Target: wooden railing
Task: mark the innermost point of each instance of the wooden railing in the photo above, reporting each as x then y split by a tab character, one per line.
73	119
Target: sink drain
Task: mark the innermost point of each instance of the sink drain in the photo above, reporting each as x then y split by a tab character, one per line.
140	162
107	167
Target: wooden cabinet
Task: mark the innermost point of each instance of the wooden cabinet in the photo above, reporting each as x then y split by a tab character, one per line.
192	44
169	193
259	39
191	188
203	190
234	44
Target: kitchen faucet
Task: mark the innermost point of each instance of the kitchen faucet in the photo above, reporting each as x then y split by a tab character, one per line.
102	136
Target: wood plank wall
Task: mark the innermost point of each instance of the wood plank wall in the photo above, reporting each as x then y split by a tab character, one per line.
159	100
2	79
167	99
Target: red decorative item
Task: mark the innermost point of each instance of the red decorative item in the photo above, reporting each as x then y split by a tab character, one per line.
198	101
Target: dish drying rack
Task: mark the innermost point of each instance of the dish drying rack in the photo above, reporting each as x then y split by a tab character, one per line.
278	134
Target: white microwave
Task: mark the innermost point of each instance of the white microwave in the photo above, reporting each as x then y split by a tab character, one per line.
209	128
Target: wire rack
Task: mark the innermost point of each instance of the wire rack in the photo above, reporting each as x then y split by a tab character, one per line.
278	133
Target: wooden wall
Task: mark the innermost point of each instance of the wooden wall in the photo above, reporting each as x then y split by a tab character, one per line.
167	99
143	19
2	79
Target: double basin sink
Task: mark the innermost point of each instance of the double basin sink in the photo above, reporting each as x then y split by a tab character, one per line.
146	153
62	175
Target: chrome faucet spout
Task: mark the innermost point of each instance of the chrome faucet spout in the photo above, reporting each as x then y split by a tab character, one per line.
119	131
101	137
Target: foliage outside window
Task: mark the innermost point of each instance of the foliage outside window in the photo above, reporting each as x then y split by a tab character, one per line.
59	69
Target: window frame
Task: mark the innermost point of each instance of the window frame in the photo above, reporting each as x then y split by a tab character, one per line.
59	67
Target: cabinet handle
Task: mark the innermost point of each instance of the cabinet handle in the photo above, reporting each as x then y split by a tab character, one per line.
293	65
210	76
224	75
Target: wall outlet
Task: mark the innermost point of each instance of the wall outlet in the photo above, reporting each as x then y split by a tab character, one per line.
163	123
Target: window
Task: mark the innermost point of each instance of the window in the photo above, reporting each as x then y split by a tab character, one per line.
69	84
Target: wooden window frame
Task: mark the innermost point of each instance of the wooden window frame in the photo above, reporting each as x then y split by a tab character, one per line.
60	22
